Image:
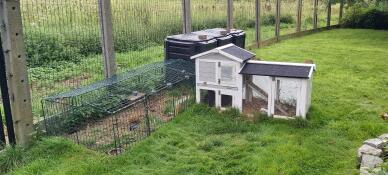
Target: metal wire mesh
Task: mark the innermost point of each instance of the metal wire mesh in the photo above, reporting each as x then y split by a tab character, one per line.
244	18
62	37
103	115
288	17
307	14
268	13
335	13
322	13
62	40
208	14
2	129
140	28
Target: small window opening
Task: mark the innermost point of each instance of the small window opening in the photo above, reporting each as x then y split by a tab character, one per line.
208	97
226	101
227	73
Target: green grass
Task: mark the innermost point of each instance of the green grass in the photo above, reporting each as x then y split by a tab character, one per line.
348	96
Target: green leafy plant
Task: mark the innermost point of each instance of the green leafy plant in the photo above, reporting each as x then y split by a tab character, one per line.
43	49
369	18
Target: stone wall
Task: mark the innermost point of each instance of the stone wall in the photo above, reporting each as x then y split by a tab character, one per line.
373	156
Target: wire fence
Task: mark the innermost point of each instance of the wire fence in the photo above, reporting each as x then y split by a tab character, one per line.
63	46
63	38
117	112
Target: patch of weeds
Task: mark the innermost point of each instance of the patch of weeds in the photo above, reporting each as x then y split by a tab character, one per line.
10	158
209	145
259	117
169	108
232	113
201	109
300	123
89	142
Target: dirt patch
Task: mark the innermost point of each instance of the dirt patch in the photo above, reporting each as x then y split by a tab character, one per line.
257	104
253	107
129	125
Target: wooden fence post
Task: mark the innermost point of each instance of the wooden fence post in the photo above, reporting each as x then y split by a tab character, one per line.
315	15
186	16
328	14
299	16
106	24
277	21
230	15
257	23
16	70
341	12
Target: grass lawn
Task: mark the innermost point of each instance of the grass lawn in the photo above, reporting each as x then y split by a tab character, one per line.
350	91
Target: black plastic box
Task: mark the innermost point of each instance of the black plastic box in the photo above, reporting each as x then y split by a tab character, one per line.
238	36
186	45
222	37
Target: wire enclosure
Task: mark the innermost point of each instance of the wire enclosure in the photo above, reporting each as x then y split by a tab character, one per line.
116	112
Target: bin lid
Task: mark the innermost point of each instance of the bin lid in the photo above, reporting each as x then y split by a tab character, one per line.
216	35
192	37
218	30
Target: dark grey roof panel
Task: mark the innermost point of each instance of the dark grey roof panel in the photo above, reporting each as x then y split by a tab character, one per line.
238	52
276	70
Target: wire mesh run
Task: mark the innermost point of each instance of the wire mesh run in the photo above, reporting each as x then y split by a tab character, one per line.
117	112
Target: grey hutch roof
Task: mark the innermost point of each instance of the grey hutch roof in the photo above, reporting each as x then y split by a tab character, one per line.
278	69
262	68
231	51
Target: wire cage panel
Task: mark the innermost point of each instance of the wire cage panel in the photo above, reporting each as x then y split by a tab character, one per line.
119	111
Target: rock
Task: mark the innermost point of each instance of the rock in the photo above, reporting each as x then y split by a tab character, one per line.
370	161
364	171
367	149
384	137
384	116
377	143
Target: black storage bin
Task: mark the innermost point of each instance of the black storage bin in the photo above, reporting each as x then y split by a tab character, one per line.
238	36
221	36
186	45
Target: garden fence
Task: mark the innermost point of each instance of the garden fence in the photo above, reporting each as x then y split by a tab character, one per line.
63	37
119	111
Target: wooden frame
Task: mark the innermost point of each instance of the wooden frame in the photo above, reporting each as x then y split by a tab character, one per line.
186	16
277	20
315	15
230	15
328	13
341	12
16	69
257	22
299	16
271	41
110	67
